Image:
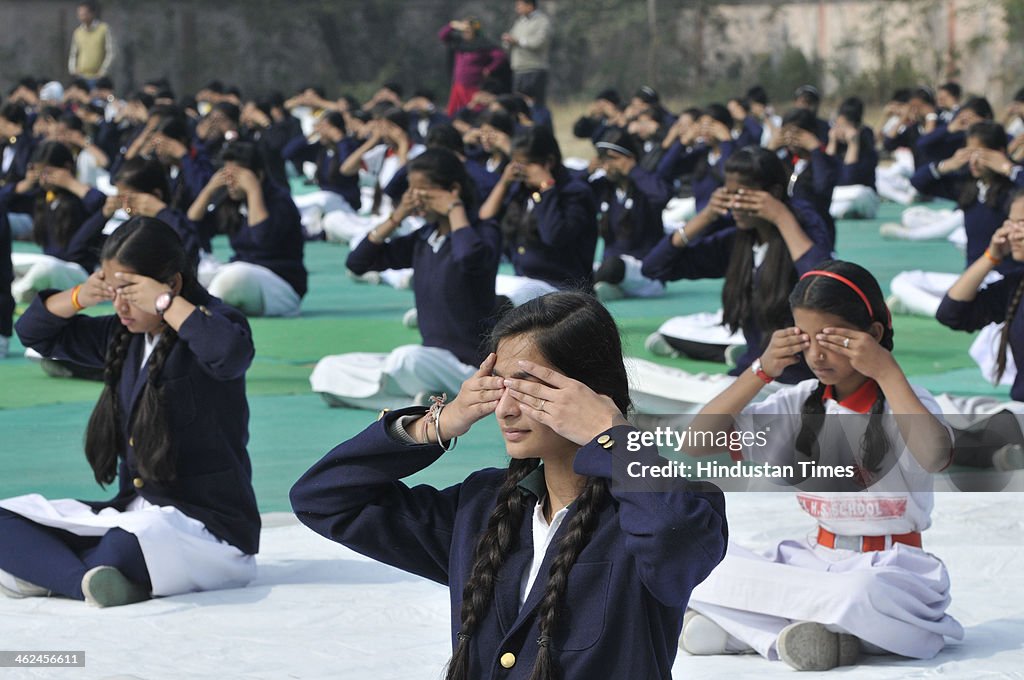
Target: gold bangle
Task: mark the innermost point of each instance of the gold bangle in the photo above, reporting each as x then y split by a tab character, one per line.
74	298
992	258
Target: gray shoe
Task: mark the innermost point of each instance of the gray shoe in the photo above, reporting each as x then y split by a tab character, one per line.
108	587
809	646
608	291
1008	458
701	636
12	586
411	319
657	345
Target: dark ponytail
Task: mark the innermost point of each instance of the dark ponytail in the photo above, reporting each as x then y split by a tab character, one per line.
578	336
768	302
57	212
826	295
152	249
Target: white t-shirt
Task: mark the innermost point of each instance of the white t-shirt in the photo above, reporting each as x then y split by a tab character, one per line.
899	498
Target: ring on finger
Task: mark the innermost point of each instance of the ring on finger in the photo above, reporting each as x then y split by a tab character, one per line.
846	343
543	403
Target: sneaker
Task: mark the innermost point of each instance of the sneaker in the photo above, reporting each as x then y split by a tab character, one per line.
895	304
372	278
1008	458
12	586
657	345
809	646
893	230
608	291
411	319
701	636
733	354
108	587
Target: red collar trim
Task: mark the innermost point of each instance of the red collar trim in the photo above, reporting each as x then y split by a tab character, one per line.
860	401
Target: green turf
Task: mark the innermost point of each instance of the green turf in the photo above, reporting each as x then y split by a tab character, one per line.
42	419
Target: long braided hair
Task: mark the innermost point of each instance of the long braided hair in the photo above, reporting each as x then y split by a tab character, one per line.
519	224
1011	310
764	302
151	248
57	212
830	296
578	336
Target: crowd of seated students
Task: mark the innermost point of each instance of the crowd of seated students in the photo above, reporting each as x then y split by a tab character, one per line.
218	162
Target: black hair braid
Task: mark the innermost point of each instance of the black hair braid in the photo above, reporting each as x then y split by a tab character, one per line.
519	225
491	550
875	443
150	428
103	436
577	535
55	219
1004	337
812	418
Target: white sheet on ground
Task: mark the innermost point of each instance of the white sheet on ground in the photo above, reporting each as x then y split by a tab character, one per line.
318	610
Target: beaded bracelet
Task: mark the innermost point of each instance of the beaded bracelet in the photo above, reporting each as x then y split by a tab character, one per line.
434	414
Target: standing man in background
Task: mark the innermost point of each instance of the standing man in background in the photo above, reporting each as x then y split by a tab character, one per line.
529	41
92	45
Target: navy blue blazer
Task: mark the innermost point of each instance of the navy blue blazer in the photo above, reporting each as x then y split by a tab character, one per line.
708	258
558	247
980	219
204	386
24	145
990	307
861	172
627	592
453	287
328	165
6	277
634	226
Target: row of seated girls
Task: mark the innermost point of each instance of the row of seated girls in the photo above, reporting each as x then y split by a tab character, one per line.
667	197
440	204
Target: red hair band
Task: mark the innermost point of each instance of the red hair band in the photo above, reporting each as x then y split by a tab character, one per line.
850	284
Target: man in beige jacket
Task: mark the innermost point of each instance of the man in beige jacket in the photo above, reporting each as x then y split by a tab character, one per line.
529	41
92	45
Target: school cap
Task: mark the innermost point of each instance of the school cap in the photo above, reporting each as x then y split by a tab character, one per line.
610	95
52	91
809	91
648	95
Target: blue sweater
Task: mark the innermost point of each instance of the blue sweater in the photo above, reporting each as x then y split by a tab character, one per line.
709	258
203	379
990	307
328	166
980	219
634	226
276	243
454	287
863	171
558	242
626	593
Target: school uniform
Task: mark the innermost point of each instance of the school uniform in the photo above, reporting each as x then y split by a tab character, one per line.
189	178
626	592
337	190
705	169
922	291
854	195
486	173
893	181
15	153
894	597
554	249
62	265
750	133
454	291
989	307
814	180
422	122
197	532
631	227
709	258
380	165
938	145
6	277
266	275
